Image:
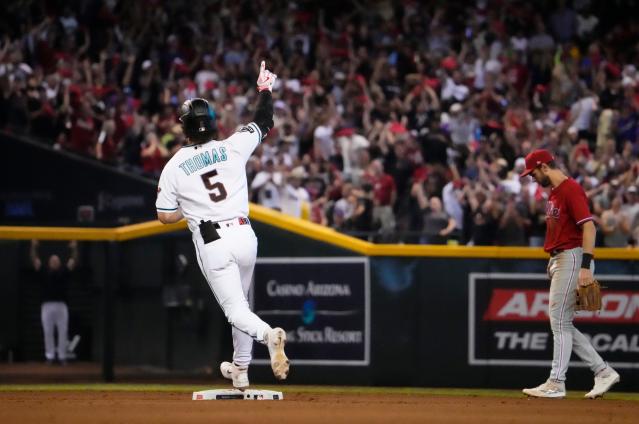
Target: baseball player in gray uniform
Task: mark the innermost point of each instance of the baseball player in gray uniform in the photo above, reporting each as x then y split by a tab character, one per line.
205	182
570	241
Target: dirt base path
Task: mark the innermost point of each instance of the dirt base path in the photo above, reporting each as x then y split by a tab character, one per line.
139	407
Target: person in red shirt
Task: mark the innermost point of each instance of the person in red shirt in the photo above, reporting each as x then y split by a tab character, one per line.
570	241
154	155
83	130
384	188
384	197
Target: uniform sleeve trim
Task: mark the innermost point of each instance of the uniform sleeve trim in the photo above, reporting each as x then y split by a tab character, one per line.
590	218
259	132
167	209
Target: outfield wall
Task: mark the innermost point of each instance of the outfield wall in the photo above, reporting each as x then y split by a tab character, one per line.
368	320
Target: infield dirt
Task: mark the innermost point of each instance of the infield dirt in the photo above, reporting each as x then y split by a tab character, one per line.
173	407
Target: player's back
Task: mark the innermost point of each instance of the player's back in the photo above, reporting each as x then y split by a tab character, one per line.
207	181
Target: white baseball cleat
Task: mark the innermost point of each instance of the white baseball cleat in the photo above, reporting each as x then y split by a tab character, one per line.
603	382
549	389
239	375
275	340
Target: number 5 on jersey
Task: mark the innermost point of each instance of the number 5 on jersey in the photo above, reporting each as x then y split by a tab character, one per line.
218	191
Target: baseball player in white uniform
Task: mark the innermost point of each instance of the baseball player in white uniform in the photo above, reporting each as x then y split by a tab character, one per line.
205	182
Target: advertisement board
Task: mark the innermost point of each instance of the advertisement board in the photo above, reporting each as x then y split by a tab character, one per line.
508	320
322	303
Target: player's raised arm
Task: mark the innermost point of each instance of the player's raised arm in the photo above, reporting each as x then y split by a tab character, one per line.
72	262
33	255
264	110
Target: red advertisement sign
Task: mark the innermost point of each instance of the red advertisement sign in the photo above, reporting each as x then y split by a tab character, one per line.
620	307
508	320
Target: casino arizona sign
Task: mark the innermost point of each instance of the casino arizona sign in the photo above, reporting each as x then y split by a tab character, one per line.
620	307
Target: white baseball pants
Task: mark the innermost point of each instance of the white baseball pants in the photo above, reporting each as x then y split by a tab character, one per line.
563	270
227	265
55	315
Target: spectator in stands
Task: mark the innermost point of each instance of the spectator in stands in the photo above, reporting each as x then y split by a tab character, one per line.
267	184
437	224
295	198
384	196
615	225
83	128
153	155
484	215
345	206
564	22
361	221
631	210
107	147
512	225
462	127
323	142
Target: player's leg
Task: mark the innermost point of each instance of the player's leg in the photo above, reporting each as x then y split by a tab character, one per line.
47	329
215	262
242	355
586	352
564	272
582	346
242	342
605	375
555	387
62	326
227	287
223	276
245	254
242	348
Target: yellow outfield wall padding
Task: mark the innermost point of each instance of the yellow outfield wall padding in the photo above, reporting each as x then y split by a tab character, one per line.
303	228
308	229
496	252
57	233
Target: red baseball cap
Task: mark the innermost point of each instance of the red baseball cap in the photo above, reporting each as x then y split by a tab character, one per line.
536	158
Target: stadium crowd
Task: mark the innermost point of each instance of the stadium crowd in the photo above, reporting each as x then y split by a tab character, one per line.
395	121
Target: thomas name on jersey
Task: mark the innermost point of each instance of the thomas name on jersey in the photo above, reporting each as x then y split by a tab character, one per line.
203	159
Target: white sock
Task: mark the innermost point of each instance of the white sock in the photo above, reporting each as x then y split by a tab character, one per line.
604	372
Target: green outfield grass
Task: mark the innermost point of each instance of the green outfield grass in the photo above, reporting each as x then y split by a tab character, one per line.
415	391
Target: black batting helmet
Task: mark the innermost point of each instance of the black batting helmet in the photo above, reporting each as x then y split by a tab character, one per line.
198	120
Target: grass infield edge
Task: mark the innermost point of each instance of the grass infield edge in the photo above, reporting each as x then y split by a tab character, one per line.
333	390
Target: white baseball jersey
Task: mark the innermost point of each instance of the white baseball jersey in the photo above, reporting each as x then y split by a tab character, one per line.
208	181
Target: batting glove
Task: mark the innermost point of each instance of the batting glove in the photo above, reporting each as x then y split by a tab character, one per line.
266	79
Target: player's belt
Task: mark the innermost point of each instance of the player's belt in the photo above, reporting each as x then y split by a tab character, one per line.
232	222
555	252
208	229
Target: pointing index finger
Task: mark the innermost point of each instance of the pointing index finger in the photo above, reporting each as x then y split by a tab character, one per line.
262	66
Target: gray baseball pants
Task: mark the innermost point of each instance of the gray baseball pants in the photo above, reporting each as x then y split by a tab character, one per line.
55	315
563	270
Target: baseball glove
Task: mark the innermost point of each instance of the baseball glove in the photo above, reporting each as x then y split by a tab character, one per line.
589	297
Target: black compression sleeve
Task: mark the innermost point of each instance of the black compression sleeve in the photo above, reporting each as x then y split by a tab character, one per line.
264	112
